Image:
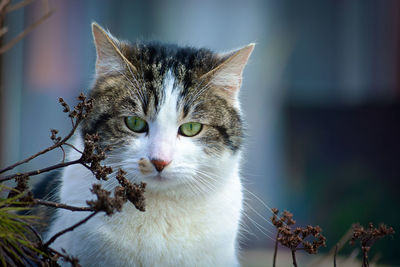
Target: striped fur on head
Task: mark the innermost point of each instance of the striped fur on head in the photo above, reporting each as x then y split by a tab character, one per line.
166	85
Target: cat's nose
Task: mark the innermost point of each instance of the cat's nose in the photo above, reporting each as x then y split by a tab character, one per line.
159	164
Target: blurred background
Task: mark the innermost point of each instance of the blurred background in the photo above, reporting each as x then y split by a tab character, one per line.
321	97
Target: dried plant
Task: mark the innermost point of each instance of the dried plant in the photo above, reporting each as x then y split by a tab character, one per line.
297	238
310	239
20	243
368	236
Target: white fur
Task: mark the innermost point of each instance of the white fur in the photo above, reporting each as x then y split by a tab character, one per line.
162	139
193	206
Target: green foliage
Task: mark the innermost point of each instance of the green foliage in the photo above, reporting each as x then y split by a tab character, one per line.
16	234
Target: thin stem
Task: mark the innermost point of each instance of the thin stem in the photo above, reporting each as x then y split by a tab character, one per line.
334	255
65	257
54	237
276	249
32	173
60	205
63	160
294	258
3	6
73	147
44	150
18	5
72	122
3	31
365	262
21	35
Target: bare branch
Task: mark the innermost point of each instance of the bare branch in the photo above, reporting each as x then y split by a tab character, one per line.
74	262
73	147
29	29
63	160
69	229
275	249
60	205
18	5
334	255
294	258
32	173
43	151
3	31
3	6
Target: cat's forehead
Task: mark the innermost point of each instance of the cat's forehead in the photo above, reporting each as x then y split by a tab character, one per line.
154	60
160	71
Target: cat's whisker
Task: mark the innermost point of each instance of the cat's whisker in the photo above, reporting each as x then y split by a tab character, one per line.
262	203
245	231
206	184
244	227
203	177
195	187
257	213
256	197
209	176
262	229
245	204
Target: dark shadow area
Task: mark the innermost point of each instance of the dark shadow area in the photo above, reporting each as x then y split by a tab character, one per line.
343	165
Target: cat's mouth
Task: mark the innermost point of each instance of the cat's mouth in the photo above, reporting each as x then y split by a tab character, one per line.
160	178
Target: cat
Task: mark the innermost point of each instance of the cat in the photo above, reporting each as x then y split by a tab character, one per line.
172	117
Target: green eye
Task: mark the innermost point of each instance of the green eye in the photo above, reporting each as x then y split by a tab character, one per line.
136	124
190	129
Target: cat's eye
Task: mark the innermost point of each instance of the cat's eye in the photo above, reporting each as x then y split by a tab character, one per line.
136	124
190	129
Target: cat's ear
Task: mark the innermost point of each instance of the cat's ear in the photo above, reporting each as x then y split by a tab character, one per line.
109	55
228	74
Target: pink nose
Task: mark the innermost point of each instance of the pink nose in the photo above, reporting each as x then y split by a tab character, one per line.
159	164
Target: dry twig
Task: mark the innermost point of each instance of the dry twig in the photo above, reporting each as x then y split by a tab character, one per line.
293	238
6	8
368	236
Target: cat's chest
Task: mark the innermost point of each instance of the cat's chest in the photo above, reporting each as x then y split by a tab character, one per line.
165	230
166	221
173	232
162	222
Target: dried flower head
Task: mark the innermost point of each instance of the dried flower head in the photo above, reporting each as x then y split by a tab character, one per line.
64	105
368	236
56	139
21	189
93	155
293	238
81	109
133	192
104	201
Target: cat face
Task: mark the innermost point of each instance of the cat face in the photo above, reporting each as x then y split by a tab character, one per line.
170	114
